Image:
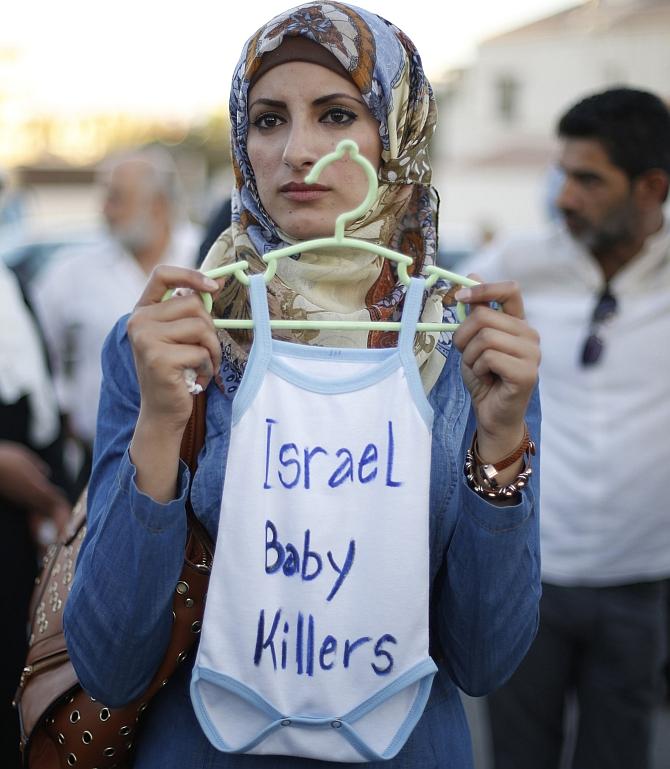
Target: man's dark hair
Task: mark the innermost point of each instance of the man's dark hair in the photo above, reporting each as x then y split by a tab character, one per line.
633	126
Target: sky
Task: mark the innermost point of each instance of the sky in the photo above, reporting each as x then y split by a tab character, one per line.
174	60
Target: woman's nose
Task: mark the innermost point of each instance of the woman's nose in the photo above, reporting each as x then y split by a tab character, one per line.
300	151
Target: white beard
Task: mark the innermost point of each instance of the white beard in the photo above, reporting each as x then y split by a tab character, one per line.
136	235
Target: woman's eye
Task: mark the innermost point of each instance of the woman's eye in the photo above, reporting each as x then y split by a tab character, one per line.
339	116
267	120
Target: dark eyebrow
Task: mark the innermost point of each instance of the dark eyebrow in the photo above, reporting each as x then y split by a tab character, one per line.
587	176
582	174
334	97
268	103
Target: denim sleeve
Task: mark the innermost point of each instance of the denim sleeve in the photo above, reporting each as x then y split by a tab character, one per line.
487	587
119	613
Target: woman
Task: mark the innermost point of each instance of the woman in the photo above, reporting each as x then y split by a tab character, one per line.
306	80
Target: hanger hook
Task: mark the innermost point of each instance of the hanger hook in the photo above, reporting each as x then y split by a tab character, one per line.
350	146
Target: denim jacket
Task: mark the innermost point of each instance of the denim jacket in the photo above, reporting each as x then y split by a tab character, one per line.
484	568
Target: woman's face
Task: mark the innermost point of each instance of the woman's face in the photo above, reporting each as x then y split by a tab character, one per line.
299	112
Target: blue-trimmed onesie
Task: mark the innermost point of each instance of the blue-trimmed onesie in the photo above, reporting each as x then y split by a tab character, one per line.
315	636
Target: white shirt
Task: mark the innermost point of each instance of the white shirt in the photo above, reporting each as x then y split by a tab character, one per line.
22	366
605	511
78	299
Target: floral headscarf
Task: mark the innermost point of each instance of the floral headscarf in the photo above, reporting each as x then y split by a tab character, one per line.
385	66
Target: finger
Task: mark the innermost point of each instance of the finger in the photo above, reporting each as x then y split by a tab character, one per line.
60	515
156	321
199	331
506	293
521	374
58	500
165	277
44	494
482	316
173	359
17	455
193	331
36	461
494	339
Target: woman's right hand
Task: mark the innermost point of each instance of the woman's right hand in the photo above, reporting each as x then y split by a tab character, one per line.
169	337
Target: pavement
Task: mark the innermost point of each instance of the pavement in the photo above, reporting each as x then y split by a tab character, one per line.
475	709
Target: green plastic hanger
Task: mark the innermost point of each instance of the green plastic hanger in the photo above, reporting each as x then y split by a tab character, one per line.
338	240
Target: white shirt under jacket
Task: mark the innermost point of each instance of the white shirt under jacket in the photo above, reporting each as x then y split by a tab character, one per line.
605	501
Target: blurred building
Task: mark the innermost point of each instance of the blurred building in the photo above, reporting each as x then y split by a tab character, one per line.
495	139
14	141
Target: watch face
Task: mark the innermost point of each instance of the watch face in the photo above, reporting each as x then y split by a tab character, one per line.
489	472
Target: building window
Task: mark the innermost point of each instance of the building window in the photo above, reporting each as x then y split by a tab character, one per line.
507	98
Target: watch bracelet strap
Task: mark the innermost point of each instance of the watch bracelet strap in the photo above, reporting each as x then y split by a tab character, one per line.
485	488
507	460
482	477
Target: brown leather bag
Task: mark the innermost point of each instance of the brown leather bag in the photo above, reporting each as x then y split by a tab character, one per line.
61	726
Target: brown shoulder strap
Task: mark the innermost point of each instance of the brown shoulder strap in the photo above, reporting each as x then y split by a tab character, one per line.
194	433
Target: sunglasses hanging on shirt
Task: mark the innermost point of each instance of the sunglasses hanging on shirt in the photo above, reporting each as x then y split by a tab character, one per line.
604	311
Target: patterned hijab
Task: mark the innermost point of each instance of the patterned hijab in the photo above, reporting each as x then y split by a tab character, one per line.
332	284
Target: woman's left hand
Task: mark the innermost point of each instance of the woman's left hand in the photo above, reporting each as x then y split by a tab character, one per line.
500	360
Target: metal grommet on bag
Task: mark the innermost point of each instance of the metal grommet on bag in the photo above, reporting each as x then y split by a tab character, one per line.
336	724
104	714
87	738
71	759
286	722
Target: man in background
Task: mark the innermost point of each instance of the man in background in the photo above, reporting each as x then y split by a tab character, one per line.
79	298
597	288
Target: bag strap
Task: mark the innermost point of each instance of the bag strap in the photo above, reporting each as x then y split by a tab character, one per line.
199	546
194	433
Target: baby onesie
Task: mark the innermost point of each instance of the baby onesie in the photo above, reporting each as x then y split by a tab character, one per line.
315	635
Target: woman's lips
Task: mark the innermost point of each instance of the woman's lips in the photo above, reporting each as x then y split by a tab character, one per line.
303	192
